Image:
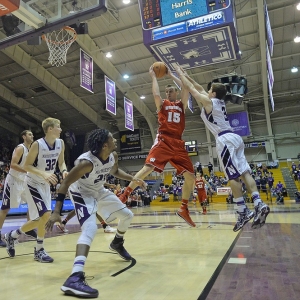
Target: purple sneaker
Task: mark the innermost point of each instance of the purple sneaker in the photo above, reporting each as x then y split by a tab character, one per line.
42	256
75	285
10	244
119	248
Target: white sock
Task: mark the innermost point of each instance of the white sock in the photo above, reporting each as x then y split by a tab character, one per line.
240	204
39	243
79	263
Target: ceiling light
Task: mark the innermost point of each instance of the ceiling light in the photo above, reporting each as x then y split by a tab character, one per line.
298	6
126	1
108	55
125	76
297	39
294	70
142	97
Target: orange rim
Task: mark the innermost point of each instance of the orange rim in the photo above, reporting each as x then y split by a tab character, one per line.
67	28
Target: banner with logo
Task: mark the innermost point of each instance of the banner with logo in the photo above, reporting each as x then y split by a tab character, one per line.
110	95
130	141
239	123
86	71
128	109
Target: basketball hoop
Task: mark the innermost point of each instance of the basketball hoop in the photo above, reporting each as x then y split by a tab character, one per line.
59	41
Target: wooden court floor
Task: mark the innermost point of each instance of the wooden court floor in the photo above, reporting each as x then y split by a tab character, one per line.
171	260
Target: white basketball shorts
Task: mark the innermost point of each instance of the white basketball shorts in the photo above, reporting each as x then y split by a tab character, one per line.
13	192
230	150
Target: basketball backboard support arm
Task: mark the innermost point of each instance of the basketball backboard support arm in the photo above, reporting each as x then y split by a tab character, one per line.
29	16
68	19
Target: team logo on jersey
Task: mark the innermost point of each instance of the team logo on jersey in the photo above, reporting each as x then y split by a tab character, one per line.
152	159
231	170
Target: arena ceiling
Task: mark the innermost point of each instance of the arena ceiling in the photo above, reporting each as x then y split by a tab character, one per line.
31	89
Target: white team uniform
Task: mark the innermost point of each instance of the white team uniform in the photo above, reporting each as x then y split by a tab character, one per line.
229	146
15	184
89	195
37	190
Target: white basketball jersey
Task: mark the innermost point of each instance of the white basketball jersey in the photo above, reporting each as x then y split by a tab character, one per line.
47	158
21	163
217	121
94	180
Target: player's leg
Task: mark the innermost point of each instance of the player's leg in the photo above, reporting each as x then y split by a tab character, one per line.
110	208
105	226
261	209
181	161
227	149
75	285
202	200
146	170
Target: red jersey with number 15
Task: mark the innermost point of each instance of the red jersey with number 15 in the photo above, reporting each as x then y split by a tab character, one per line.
171	119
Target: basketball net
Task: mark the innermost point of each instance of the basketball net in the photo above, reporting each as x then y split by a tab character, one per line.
59	41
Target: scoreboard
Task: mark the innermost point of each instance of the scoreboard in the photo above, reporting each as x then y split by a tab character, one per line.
157	13
192	148
191	33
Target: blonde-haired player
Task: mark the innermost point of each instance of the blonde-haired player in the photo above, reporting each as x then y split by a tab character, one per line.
40	165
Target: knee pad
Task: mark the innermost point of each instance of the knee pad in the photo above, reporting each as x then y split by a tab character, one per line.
125	219
88	233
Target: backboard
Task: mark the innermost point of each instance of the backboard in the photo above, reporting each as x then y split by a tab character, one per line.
26	20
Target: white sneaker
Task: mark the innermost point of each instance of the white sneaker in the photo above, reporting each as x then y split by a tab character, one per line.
109	229
62	228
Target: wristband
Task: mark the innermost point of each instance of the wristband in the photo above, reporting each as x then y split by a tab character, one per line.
60	197
64	170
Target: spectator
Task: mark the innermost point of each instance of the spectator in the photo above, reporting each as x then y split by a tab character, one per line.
210	167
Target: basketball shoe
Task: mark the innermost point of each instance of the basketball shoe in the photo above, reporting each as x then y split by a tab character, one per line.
10	244
183	213
42	256
75	285
261	212
119	248
243	218
109	229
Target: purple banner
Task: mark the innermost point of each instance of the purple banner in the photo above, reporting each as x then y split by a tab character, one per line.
110	95
240	123
128	108
190	103
270	39
270	91
86	71
269	66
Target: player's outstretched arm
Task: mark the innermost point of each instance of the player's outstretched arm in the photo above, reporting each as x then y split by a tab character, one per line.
200	97
155	90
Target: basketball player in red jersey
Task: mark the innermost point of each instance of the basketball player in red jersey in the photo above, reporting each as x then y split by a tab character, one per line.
168	145
201	192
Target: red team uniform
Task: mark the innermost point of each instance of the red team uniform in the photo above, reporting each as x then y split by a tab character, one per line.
201	192
168	145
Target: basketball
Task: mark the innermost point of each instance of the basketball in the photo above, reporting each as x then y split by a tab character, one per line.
160	69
